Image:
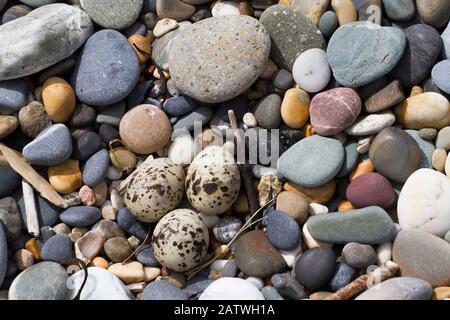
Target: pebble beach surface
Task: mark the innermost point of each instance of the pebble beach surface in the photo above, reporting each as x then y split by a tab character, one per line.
103	169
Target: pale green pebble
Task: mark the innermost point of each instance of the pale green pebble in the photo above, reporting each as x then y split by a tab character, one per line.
270	293
428	133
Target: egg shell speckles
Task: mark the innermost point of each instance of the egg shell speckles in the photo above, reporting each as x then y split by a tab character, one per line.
156	189
213	181
180	240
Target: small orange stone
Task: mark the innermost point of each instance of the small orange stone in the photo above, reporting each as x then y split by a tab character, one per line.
321	195
362	167
32	246
66	177
142	47
345	206
416	90
308	130
99	262
59	99
295	108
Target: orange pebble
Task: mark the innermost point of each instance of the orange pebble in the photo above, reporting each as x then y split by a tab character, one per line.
345	206
142	47
308	130
99	262
362	167
416	90
32	246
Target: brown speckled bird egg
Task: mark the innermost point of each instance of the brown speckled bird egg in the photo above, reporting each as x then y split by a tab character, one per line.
156	189
180	240
213	181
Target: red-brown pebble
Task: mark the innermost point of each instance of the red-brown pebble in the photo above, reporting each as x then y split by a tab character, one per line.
371	189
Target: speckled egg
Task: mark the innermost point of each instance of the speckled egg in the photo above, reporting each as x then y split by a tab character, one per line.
180	240
213	181
156	189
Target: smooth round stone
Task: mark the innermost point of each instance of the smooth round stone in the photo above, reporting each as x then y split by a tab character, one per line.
117	249
182	149
42	281
334	110
446	42
435	13
51	147
328	23
80	216
402	288
10	217
145	129
95	168
57	249
371	124
42	38
440	75
424	202
295	108
311	70
147	257
108	133
293	204
429	134
343	275
116	14
282	230
10	180
109	228
86	145
107	70
33	119
382	97
58	98
395	154
399	10
3	254
371	189
312	162
202	115
177	106
371	225
443	139
282	80
227	228
256	256
426	148
359	256
426	110
267	112
129	223
164	26
226	8
422	255
240	51
379	50
423	47
315	268
101	284
292	33
350	160
231	289
163	290
13	95
83	116
438	160
66	177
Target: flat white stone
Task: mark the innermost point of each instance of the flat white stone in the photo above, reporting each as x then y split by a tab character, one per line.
231	289
311	70
372	124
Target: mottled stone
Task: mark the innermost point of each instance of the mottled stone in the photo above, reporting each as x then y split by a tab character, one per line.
402	288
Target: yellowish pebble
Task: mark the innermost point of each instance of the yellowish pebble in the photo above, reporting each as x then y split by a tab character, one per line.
416	90
362	167
295	108
99	262
319	295
66	177
345	206
59	99
151	273
345	11
32	246
441	293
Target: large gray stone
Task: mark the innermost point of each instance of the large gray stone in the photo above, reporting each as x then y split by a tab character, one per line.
403	288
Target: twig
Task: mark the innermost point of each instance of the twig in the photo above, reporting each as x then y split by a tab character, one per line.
137	250
359	285
30	209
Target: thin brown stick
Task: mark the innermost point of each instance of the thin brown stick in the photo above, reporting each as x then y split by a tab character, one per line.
137	250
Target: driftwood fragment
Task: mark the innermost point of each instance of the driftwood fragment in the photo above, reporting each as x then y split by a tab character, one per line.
30	209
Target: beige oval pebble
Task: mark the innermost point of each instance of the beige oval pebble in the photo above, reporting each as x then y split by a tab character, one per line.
438	159
129	273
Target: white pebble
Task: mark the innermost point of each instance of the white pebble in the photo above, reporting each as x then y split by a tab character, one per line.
384	253
317	208
291	256
218	265
364	144
164	26
257	282
250	120
116	200
182	149
226	8
311	70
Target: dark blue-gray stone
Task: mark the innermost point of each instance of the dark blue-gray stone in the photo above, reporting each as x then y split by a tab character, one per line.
288	286
315	268
177	106
441	75
86	145
282	230
138	94
371	225
328	23
270	293
230	269
112	114
267	112
107	69
359	256
343	275
282	80
57	249
136	28
51	147
108	133
313	161
201	115
360	53
80	216
426	148
196	287
9	181
350	160
94	171
82	117
400	10
46	211
3	254
422	50
163	290
13	95
43	281
147	257
129	223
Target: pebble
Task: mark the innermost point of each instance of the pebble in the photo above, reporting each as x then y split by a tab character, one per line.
10	218
384	253
343	275
439	75
61	27
142	48
94	170
129	223
66	177
267	112
385	98
429	134
163	290
23	259
293	204
292	33
47	212
402	10
226	229
131	272
83	116
371	124
147	257
33	119
80	216
13	95
282	80
256	256
445	36
51	147
226	8
441	293
371	225
242	290
270	293
312	162
174	9
315	268
423	202
180	105
443	139
422	50
395	154
379	50
89	245
402	288
59	99
223	79
282	230
311	70
7	125
112	114
426	149
328	23
107	69
350	160
201	115
371	189
434	13
116	14
42	281
295	108
86	145
117	249
288	286
57	249
164	26
359	256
